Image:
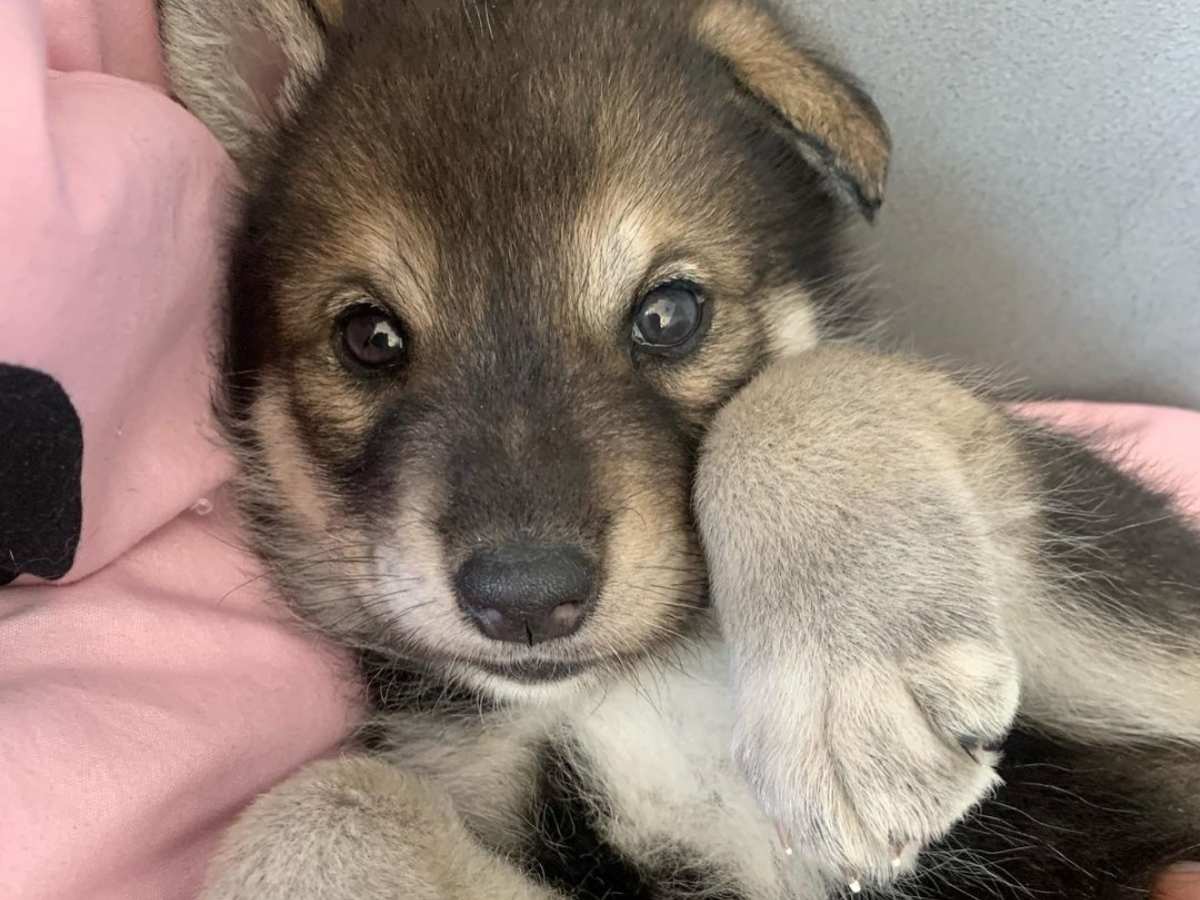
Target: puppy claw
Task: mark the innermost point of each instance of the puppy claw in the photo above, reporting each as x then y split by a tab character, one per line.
971	746
903	856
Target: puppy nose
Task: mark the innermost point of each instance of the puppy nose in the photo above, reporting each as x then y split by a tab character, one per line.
527	594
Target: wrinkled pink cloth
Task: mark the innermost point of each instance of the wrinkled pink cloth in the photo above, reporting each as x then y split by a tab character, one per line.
153	691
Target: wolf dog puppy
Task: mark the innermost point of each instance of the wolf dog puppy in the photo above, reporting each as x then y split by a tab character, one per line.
544	372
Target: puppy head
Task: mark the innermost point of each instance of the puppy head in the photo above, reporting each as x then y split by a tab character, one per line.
498	265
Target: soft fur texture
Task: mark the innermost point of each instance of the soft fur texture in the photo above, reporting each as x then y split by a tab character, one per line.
855	627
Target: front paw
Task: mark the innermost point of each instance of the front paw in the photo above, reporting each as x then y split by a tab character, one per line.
864	761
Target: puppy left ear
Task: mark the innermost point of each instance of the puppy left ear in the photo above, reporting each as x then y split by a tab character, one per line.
242	65
836	125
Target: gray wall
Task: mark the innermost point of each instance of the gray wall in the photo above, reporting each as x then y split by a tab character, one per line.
1044	207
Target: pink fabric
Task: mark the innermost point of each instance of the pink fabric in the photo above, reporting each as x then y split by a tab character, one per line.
141	708
1159	444
118	191
153	692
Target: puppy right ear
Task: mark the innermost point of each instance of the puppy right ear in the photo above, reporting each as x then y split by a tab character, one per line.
837	127
242	65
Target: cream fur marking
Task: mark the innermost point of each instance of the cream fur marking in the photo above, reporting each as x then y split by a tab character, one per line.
794	329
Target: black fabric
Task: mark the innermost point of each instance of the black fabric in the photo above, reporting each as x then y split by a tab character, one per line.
41	463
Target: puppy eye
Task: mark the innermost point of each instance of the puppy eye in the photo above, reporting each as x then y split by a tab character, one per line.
668	317
371	337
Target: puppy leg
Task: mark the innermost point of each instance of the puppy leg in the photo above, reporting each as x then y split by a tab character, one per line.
358	828
874	535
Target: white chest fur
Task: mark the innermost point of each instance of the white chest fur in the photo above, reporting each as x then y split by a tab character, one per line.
660	745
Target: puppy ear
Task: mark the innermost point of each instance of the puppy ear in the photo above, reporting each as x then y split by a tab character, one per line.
241	65
837	126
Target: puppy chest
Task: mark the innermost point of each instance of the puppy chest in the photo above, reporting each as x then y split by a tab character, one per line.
659	751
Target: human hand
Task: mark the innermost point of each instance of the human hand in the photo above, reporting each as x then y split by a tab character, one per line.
1180	883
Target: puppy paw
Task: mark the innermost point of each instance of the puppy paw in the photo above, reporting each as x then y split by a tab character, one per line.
865	761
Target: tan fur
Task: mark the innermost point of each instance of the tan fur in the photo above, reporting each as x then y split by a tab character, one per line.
814	101
331	10
613	247
288	464
648	548
389	246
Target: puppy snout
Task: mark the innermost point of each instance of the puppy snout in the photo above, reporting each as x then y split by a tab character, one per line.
527	593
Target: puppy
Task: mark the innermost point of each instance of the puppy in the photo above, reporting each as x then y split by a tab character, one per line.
544	370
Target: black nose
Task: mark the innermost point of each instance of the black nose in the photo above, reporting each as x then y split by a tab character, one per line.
527	593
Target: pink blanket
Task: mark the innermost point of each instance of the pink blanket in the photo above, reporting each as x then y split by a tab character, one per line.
147	688
150	691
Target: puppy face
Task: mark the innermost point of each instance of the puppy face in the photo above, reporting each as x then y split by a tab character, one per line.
496	271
